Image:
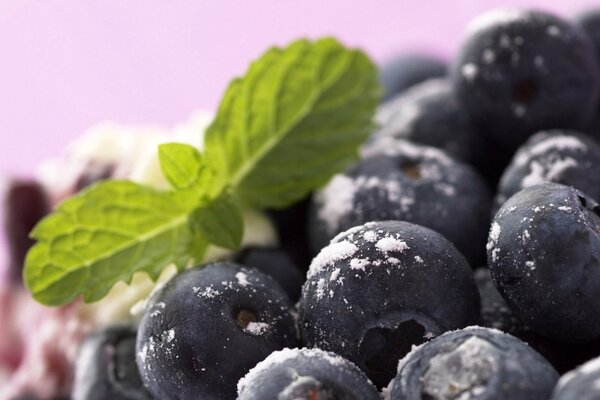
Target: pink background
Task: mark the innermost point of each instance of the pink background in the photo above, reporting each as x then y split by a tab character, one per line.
65	64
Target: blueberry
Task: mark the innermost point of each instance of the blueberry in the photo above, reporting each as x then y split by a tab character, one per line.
589	21
429	114
401	181
580	384
291	225
407	70
497	314
522	71
106	368
25	204
306	374
544	256
565	157
277	264
473	363
593	128
379	288
207	327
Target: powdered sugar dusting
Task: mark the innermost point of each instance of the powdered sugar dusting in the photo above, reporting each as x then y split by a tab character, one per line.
495	254
170	335
370	236
337	199
320	292
494	235
552	171
242	279
553	143
207	292
393	260
469	71
335	274
359	263
257	328
388	244
265	367
330	254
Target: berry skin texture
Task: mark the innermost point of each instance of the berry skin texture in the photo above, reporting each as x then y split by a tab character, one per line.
498	315
405	71
277	264
473	363
106	368
207	327
543	253
522	71
306	374
564	157
429	114
382	287
398	180
580	384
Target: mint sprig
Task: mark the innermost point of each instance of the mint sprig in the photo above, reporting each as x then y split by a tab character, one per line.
296	118
105	234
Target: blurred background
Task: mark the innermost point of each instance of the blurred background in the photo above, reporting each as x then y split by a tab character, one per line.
67	64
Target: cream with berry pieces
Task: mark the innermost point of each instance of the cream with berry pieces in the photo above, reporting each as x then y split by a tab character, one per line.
39	346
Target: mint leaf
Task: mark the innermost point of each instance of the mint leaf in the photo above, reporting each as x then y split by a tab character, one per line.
294	120
184	167
220	222
105	234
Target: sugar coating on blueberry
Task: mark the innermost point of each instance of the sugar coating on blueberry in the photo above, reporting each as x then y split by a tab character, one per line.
305	374
402	181
565	157
472	363
417	284
207	327
543	255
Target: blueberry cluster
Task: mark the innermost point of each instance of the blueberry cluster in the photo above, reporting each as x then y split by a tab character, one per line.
458	259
